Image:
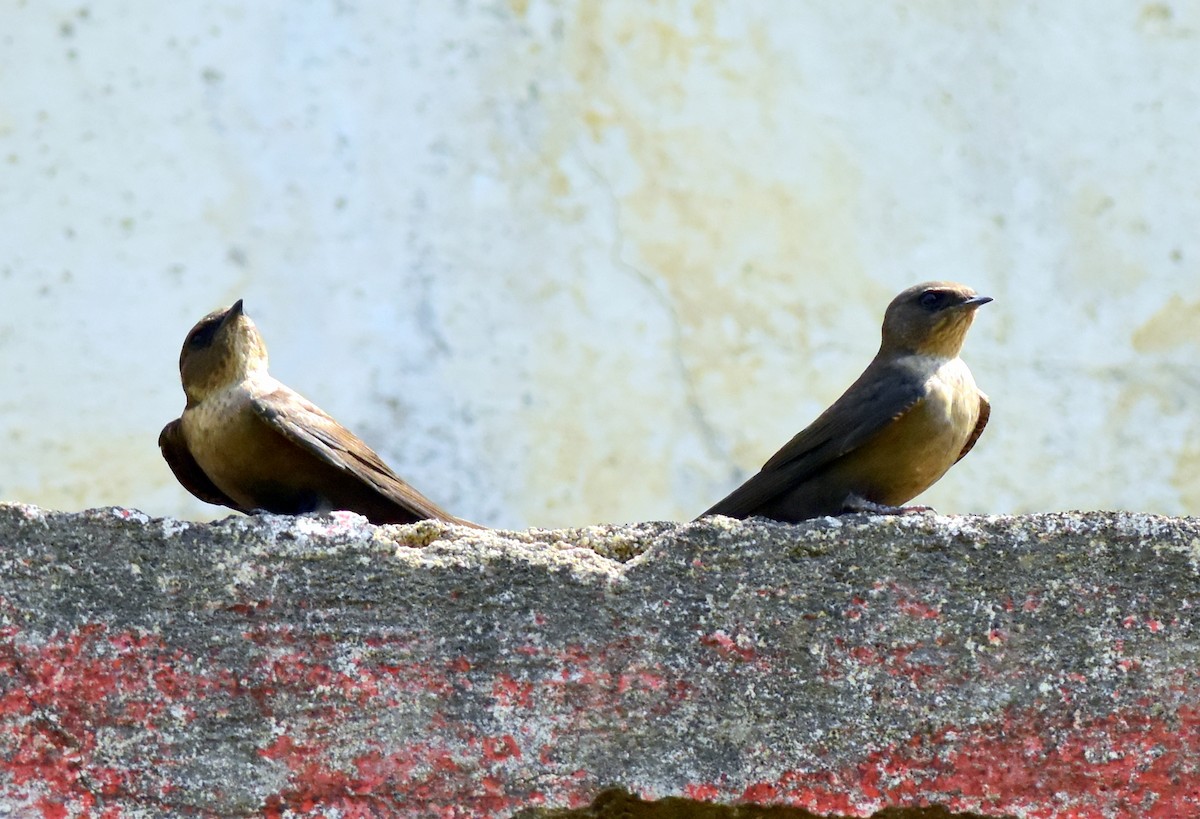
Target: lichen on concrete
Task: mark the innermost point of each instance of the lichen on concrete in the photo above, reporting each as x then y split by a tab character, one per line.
1033	666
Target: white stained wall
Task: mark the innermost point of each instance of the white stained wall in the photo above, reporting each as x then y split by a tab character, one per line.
582	261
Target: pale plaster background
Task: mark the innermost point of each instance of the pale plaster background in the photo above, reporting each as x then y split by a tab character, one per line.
582	261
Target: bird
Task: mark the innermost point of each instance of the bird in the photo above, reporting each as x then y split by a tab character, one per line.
913	413
251	443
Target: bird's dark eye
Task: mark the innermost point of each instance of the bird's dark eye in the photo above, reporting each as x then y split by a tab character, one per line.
932	299
202	336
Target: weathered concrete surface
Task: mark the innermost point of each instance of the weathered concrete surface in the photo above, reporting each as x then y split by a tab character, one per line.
1038	666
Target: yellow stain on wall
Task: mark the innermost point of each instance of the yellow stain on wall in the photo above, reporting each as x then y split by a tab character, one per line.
1106	231
1177	324
744	252
108	470
1186	476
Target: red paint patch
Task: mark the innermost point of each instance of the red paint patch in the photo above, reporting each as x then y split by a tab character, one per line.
1125	764
919	609
249	608
511	693
455	772
760	792
58	697
63	698
702	792
728	647
496	749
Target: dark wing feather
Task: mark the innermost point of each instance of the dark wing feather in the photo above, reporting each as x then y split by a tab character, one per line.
881	394
177	455
985	411
307	425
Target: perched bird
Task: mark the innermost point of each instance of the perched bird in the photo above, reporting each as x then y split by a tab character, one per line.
248	442
912	414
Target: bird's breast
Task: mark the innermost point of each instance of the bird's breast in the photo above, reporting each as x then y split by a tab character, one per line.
233	446
952	400
910	454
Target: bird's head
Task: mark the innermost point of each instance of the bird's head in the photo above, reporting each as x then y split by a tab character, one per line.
222	349
930	319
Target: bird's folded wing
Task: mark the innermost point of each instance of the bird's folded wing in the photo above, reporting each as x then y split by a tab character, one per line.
985	411
177	455
878	397
307	425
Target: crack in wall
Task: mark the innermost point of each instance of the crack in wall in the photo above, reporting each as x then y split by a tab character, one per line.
709	437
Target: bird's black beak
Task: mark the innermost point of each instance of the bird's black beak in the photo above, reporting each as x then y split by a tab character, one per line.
233	313
974	301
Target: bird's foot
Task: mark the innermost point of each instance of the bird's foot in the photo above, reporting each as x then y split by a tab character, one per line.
854	503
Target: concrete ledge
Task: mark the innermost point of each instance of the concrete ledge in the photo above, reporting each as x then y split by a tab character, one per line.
1034	666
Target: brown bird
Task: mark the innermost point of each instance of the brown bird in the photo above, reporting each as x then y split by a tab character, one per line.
248	442
913	413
